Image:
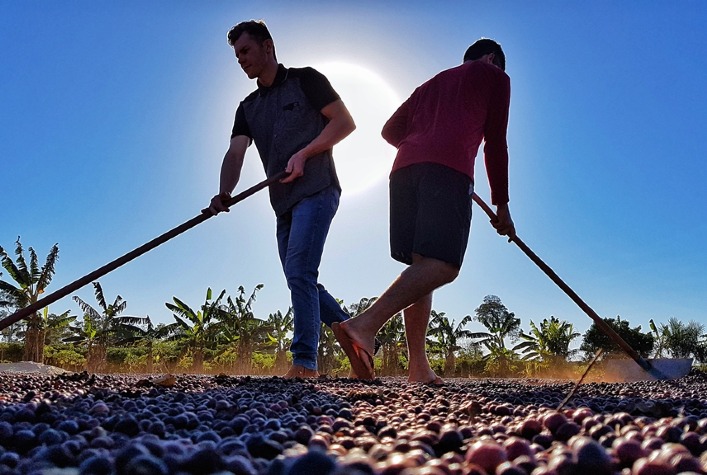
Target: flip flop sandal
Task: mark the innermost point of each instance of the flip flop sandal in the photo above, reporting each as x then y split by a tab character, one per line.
361	360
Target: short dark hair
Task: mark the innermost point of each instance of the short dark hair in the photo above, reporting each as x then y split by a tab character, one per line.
257	29
485	46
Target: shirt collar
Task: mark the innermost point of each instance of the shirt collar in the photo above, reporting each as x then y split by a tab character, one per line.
280	77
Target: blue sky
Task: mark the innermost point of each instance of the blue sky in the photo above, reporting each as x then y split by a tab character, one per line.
114	117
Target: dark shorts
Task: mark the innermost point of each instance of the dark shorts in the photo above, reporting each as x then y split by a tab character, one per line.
430	213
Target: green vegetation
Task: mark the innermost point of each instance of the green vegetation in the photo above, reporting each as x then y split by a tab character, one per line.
223	335
30	282
595	339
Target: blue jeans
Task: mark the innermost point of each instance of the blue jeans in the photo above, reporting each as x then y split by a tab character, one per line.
301	234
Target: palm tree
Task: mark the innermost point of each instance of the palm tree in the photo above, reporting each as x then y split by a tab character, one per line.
87	335
31	282
701	351
393	345
500	361
328	350
13	332
132	333
447	338
240	328
499	322
5	301
57	327
547	346
196	328
550	342
356	309
658	339
99	326
281	327
682	340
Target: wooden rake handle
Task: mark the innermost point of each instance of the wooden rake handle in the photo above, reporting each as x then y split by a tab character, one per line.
603	326
101	271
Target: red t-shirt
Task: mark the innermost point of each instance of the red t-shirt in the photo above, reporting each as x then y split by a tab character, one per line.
446	118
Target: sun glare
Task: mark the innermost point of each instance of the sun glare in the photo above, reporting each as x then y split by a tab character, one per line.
364	158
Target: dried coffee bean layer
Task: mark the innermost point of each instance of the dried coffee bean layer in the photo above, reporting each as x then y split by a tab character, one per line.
76	423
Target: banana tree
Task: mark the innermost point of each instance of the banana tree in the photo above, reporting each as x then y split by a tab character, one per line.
499	322
30	282
281	327
13	332
196	328
101	325
393	345
446	337
683	340
548	344
57	327
328	350
141	331
239	326
658	338
355	309
500	361
86	335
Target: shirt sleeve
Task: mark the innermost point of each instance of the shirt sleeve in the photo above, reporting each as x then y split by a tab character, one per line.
317	88
496	145
395	129
240	125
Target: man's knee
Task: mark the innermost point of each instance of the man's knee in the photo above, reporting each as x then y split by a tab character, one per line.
449	272
444	271
299	276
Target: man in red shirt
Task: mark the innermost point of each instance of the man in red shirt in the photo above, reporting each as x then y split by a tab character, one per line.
437	132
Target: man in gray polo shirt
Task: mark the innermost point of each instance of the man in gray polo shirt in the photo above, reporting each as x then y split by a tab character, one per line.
295	118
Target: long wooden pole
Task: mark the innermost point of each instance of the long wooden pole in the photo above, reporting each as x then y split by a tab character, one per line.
111	266
600	323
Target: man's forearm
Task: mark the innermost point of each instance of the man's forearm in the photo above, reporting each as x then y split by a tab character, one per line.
340	125
334	132
232	163
230	172
496	160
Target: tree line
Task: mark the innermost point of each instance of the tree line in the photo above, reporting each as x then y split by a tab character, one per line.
222	334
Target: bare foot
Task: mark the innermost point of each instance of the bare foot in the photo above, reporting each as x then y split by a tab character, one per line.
425	376
362	365
360	334
436	382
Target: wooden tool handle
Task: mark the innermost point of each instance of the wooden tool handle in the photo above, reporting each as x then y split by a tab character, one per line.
101	271
603	326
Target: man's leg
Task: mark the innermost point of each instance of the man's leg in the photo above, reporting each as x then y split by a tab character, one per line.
301	243
417	317
330	310
430	214
412	286
284	228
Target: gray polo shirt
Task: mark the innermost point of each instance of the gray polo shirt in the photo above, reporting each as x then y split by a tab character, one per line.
282	119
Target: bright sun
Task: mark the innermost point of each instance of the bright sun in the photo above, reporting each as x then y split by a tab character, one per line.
363	158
